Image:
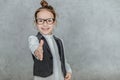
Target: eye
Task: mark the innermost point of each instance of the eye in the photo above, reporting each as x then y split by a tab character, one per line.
40	20
50	20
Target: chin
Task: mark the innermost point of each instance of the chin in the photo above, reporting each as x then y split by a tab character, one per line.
46	33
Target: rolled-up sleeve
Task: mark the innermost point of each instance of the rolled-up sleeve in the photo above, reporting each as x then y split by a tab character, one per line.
68	68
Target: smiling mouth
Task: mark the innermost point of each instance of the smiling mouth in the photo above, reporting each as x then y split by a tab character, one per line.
45	29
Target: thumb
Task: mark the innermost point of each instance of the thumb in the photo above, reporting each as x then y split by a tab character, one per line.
41	43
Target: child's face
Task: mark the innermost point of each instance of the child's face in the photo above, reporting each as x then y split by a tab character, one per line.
45	22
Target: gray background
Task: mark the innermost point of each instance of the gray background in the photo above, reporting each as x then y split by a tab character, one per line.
90	30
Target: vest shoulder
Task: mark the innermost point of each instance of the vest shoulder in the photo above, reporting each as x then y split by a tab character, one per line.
56	38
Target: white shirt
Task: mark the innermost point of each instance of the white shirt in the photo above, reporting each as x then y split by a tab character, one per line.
57	72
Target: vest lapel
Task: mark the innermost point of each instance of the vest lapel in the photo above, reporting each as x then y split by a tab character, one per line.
39	35
58	45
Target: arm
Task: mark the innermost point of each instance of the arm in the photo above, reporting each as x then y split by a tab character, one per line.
36	47
67	66
69	71
33	44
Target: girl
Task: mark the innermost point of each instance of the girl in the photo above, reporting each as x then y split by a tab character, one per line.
47	50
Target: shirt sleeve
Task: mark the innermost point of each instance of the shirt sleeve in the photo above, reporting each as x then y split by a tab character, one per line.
33	43
67	66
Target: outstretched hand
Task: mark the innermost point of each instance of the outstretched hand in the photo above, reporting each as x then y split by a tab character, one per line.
39	51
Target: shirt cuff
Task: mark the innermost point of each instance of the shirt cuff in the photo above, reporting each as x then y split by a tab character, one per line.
68	68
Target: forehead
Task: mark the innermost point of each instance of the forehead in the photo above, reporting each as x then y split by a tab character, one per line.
44	14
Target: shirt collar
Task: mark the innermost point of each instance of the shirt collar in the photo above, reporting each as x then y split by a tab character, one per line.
48	36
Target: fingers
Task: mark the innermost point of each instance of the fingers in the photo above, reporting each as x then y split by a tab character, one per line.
68	76
39	54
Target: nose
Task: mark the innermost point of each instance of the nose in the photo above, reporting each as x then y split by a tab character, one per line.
45	23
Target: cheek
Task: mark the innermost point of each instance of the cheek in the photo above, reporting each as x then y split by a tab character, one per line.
52	26
38	27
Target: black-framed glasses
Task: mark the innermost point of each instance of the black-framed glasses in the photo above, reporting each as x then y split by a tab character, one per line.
41	21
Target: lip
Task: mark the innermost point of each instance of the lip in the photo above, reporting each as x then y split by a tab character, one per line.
45	29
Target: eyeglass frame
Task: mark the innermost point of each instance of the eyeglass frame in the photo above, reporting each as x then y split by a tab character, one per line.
45	20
